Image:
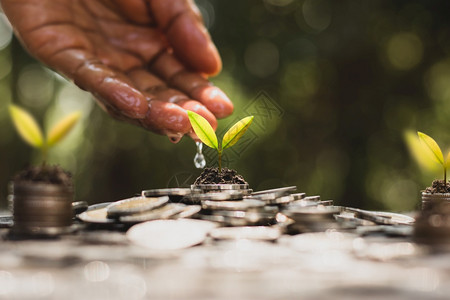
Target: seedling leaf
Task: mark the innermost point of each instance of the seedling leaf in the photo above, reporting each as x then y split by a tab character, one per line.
62	128
203	130
423	155
429	142
235	132
26	126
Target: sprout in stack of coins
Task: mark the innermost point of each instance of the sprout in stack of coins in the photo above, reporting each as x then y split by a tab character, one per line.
41	196
206	133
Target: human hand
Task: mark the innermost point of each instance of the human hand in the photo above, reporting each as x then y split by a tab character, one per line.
145	61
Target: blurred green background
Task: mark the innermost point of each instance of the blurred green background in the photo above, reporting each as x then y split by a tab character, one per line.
343	81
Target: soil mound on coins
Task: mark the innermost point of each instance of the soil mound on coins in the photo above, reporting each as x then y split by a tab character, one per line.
438	186
45	174
213	176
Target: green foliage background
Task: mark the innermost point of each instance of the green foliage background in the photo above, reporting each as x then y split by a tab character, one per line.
349	76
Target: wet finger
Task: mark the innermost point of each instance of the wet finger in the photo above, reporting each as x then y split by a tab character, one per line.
200	109
175	96
192	84
166	118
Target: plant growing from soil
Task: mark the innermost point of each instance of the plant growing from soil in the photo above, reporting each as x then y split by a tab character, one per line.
31	133
206	133
430	156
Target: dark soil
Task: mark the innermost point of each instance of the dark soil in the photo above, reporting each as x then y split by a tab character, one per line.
438	186
45	174
227	176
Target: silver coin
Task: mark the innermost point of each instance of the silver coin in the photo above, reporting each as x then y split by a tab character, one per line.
318	226
301	203
325	202
219	187
217	196
135	205
263	233
188	211
264	197
381	218
348	220
273	198
282	200
277	191
79	207
6	221
240	218
298	196
232	205
163	212
171	192
311	214
170	234
96	214
250	215
312	198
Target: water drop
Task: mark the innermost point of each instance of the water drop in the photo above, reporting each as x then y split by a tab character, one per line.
199	159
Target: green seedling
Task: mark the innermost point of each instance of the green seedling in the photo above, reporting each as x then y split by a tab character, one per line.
428	153
206	133
31	133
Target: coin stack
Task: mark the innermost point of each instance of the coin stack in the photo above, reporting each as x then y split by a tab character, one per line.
432	226
312	218
40	209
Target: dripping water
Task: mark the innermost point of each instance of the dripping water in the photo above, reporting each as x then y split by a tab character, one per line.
199	159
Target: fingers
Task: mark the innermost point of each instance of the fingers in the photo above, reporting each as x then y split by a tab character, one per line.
202	90
167	107
110	87
187	35
192	84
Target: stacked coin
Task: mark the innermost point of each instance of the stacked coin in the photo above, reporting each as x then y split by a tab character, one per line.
432	226
41	208
206	188
312	219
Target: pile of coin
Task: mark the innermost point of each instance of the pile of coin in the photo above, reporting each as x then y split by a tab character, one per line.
226	204
236	205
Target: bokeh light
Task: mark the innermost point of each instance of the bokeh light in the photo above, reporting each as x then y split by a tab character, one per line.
316	15
36	86
404	50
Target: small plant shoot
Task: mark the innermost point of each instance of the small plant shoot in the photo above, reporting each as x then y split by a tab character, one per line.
31	133
206	133
428	153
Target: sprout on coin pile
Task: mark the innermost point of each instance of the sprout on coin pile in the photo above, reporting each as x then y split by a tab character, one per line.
31	133
206	133
427	152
